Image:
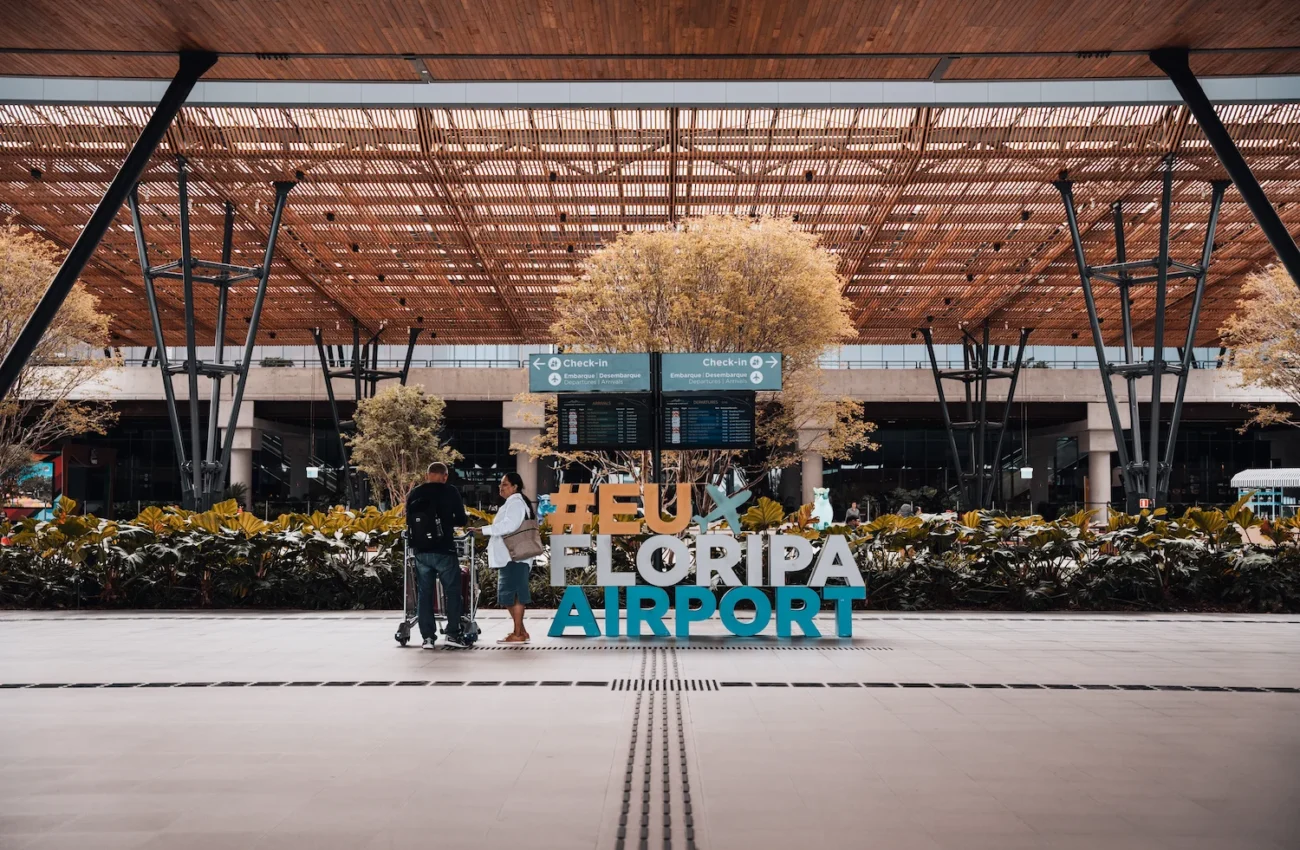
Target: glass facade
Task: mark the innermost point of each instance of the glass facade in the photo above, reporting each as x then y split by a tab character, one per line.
134	466
910	461
909	464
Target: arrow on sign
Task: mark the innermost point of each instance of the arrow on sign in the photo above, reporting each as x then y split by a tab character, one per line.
771	361
537	364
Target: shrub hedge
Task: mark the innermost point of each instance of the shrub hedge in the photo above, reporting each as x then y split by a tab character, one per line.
340	559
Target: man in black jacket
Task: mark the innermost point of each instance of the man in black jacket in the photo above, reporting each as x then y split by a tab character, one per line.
433	511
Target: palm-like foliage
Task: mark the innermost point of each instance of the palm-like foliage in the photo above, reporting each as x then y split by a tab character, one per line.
342	559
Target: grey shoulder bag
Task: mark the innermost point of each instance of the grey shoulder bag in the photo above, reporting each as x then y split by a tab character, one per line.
525	542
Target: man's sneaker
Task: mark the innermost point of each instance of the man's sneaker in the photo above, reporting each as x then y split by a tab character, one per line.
454	642
428	644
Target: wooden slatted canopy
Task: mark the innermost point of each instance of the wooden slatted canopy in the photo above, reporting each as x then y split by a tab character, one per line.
635	39
469	219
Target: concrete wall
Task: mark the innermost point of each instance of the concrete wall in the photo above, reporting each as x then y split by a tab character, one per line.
1041	385
135	383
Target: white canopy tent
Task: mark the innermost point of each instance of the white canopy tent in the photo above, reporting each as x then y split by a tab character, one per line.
1270	478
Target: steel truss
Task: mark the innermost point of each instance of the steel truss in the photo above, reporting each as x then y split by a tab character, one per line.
980	483
192	66
365	374
203	472
1146	478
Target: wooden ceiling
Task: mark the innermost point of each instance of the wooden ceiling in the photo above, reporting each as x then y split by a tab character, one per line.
642	39
465	221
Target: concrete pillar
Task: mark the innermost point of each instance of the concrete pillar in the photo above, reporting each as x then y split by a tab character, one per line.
525	424
811	472
526	464
1099	482
248	438
241	470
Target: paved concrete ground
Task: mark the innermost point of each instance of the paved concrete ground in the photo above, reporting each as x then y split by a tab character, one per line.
925	731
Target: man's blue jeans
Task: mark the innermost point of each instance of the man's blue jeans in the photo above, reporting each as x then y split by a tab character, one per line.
431	566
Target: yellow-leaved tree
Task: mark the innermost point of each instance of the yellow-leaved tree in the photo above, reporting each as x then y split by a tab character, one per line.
399	433
719	284
46	403
1264	337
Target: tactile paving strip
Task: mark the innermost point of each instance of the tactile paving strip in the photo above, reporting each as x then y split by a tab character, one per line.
672	790
674	684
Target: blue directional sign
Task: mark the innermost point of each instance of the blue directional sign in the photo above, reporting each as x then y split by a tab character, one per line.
589	373
745	371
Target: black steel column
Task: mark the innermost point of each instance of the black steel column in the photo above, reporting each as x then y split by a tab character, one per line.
981	424
1173	61
1217	189
371	359
1126	317
281	197
169	391
1066	188
943	407
191	353
364	373
1158	346
1011	397
356	357
219	344
413	335
656	414
192	66
334	411
203	473
1146	480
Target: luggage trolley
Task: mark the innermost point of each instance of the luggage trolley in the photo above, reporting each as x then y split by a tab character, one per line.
468	585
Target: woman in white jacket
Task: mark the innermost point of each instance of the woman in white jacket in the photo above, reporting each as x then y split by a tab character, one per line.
512	576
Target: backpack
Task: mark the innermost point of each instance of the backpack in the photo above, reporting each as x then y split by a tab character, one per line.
424	527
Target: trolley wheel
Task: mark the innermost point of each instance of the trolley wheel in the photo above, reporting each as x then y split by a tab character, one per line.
403	636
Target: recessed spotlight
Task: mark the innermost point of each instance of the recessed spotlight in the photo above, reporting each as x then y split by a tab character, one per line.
329	216
36	174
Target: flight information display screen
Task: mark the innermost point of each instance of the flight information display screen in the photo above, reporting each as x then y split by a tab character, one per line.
604	422
708	421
